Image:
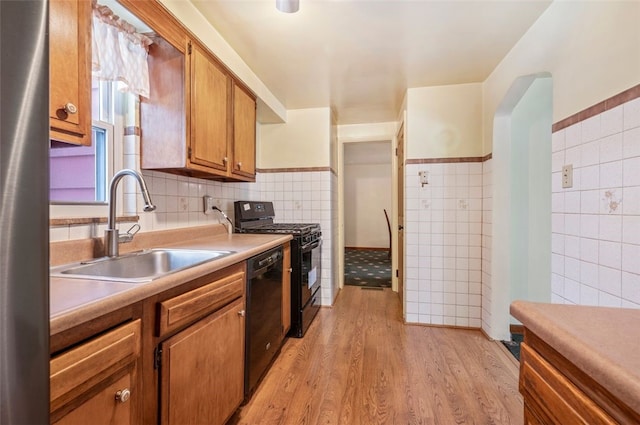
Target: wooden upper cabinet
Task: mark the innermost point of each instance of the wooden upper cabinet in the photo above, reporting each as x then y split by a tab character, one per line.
198	121
70	71
243	163
210	92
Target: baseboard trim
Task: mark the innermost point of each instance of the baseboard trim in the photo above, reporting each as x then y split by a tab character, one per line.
362	248
432	325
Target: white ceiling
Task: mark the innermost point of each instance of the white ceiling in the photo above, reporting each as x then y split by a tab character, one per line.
360	56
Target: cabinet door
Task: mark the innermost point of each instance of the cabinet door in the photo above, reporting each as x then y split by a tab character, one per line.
202	376
210	92
244	134
70	79
286	289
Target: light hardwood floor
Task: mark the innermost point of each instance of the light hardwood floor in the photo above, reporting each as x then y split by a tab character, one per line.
359	364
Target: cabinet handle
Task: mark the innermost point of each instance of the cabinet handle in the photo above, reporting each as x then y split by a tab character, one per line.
123	395
239	165
225	160
70	108
241	313
290	270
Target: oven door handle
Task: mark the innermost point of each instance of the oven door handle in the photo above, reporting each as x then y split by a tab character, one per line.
311	246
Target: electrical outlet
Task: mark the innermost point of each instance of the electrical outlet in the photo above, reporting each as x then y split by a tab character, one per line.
208	204
567	176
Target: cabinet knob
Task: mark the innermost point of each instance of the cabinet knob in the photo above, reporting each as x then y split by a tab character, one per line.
290	270
225	160
123	395
70	108
242	313
239	165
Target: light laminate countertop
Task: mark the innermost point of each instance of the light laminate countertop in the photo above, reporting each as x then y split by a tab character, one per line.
602	342
75	301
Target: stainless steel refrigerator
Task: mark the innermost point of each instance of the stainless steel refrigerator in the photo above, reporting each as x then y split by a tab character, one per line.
24	212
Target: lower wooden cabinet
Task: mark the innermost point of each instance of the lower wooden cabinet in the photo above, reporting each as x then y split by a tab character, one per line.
96	381
552	397
202	370
555	391
110	405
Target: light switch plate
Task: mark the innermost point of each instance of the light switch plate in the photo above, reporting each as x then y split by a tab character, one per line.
567	176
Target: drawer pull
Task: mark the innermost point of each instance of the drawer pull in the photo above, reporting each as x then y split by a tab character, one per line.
242	313
123	395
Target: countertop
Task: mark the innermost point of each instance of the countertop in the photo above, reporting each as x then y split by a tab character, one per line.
602	342
75	301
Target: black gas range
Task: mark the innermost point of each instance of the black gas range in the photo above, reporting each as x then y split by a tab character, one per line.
258	217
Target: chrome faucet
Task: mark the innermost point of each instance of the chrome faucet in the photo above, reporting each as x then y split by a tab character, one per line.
111	237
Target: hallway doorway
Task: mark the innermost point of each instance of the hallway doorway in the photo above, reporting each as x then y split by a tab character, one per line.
367	195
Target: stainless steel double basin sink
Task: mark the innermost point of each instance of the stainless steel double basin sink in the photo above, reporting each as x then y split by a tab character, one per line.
138	267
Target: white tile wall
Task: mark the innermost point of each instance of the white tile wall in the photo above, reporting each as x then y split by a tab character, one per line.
443	228
596	223
487	212
308	196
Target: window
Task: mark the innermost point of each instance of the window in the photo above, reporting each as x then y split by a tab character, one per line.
79	174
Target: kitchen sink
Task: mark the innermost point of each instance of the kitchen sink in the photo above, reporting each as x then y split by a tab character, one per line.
138	267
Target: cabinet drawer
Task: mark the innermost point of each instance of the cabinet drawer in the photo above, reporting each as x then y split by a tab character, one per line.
190	306
81	368
550	394
104	408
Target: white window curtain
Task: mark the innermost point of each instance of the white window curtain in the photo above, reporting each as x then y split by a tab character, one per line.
118	52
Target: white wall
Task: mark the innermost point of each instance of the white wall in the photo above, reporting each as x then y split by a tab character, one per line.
587	67
591	49
303	141
371	132
367	192
521	200
444	121
531	193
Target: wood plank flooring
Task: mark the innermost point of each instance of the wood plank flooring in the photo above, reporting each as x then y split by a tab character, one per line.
359	364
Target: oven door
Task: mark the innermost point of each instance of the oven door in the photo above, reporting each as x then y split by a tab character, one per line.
311	266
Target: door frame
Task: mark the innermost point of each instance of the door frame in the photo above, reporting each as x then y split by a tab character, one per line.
397	261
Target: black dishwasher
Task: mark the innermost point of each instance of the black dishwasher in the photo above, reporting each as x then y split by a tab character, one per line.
264	315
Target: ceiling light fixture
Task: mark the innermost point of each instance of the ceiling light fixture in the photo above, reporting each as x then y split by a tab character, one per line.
288	6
